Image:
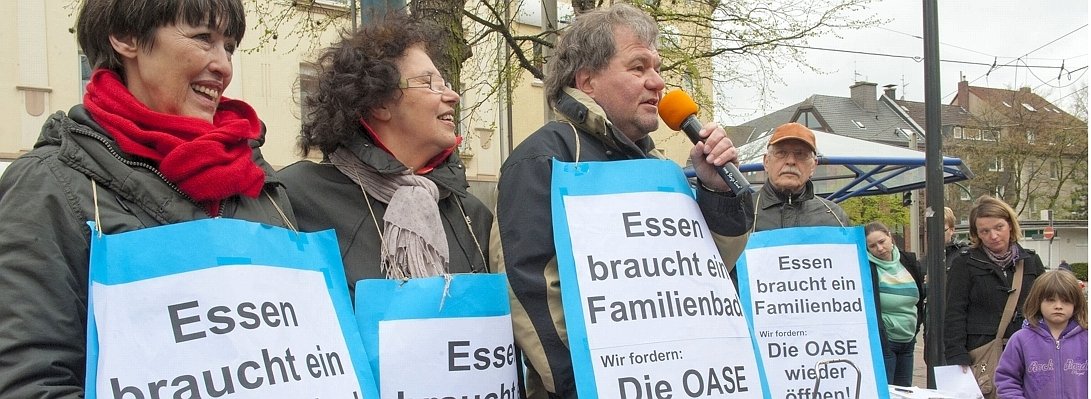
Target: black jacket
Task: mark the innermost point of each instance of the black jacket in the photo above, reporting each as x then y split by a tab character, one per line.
45	203
325	198
977	290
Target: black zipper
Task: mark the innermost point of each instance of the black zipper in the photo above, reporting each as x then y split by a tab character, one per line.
88	132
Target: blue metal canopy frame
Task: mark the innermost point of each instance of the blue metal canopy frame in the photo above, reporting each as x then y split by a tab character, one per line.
860	176
850	167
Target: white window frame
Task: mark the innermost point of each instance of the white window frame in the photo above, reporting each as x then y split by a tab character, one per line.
990	135
334	3
997	165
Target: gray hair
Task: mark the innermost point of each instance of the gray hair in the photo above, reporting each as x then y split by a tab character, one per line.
589	44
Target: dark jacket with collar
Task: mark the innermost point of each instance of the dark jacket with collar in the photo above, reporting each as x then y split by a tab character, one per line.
324	198
46	200
776	210
524	242
977	290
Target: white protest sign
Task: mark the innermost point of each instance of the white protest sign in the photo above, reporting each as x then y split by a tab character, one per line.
449	358
655	306
271	337
809	293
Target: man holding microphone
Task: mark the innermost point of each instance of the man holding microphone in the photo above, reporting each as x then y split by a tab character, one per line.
603	82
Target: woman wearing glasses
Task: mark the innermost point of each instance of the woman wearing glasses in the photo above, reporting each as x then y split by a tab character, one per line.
390	182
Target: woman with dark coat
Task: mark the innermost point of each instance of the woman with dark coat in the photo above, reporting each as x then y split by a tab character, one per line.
981	278
390	181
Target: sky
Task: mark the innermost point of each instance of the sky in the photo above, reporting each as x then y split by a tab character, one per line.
970	31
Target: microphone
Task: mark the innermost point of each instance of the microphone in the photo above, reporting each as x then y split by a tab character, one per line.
679	111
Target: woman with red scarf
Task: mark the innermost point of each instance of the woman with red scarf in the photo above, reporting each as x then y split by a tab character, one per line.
155	142
390	182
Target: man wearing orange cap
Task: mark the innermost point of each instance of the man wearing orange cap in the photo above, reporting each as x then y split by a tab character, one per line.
787	198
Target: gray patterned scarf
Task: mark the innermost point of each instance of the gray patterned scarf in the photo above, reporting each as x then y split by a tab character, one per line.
413	241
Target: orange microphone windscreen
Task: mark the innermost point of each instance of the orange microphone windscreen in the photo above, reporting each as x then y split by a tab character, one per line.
675	107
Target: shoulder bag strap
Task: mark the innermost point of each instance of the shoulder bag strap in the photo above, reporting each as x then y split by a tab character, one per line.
1013	297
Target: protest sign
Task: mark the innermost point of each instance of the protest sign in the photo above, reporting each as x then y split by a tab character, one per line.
649	307
439	337
221	307
809	293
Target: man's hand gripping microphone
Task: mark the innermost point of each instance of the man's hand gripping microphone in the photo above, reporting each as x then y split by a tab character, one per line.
679	111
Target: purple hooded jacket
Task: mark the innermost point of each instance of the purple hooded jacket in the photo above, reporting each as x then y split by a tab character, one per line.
1034	366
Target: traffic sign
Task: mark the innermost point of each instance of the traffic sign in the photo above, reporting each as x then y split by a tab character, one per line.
1048	233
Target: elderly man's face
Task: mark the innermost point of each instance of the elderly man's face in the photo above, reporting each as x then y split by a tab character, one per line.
789	165
629	87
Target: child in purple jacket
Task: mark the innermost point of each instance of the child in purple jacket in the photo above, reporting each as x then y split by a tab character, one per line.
1047	358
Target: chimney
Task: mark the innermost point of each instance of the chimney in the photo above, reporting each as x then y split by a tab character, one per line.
964	94
888	91
863	94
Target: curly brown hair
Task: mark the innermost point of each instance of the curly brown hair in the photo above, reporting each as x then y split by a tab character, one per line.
357	75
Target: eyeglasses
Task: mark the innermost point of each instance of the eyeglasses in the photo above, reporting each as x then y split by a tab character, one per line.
427	81
798	155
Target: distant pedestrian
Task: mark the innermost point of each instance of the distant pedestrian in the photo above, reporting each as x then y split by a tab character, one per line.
951	245
1064	265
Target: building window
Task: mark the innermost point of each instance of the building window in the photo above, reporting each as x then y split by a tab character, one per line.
1006	104
538	59
858	124
990	135
965	220
997	165
956	132
85	74
1029	108
964	194
1054	170
308	83
808	119
998	192
1030	136
338	3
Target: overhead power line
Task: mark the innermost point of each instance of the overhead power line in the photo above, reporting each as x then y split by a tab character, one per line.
917	58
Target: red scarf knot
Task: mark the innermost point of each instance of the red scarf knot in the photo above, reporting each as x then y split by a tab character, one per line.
207	161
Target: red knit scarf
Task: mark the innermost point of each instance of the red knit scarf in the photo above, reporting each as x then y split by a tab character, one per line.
208	161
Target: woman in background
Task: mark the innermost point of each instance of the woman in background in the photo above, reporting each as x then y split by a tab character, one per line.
980	281
901	301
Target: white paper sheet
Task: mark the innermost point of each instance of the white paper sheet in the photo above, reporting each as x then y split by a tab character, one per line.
953	379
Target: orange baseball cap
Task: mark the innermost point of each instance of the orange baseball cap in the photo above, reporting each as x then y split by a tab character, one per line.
793	131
